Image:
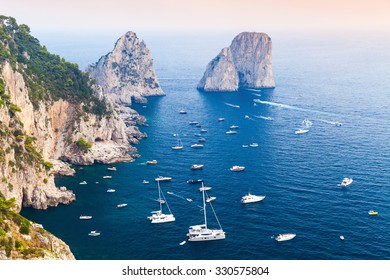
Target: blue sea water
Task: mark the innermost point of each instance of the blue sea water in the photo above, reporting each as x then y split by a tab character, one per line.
319	78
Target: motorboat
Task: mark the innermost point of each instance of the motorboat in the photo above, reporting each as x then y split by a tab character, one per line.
210	198
251	198
189	199
246	116
179	144
237	168
245	146
83	183
221	119
85	217
197	166
204	188
285	236
198	125
182	112
254	145
202	140
196	146
301	131
94	233
152	162
182	243
111	168
121	205
203	130
111	190
372	212
234	126
193	123
158	216
231	132
346	182
163	179
107	177
145	182
342	237
192	181
202	232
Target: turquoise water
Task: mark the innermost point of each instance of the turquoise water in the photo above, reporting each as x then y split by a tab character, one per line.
319	79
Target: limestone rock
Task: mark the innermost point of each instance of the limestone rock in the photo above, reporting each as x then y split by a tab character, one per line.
127	72
247	63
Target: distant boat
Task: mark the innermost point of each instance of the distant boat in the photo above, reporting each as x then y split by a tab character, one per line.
145	182
301	131
204	188
197	166
285	236
234	126
163	179
246	116
336	123
107	177
341	237
237	168
121	205
198	125
202	140
111	190
85	217
193	123
111	168
203	130
251	198
230	132
83	183
196	146
189	199
210	198
372	212
179	144
182	112
94	233
254	145
221	119
182	243
346	182
245	146
192	181
158	216
152	162
202	232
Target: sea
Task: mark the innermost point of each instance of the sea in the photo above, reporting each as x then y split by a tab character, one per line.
321	80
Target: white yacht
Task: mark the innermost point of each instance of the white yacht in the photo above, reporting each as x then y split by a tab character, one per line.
301	131
250	198
285	236
85	217
107	177
158	216
111	190
94	233
202	232
254	145
163	179
197	166
210	198
111	168
83	183
237	168
234	126
204	188
121	205
346	182
231	132
196	146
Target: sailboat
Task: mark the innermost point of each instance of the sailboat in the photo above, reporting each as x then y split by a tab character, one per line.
158	216
178	145
202	232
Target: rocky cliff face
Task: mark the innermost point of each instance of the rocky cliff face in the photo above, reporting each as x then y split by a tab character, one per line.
127	72
247	63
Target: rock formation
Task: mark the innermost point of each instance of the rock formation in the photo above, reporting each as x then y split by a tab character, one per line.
127	72
245	64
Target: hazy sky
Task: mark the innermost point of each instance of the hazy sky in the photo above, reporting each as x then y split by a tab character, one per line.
168	15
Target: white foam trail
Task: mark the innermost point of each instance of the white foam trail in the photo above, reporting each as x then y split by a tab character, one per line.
232	105
256	94
171	193
264	118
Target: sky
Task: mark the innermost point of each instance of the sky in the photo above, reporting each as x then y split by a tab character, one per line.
190	15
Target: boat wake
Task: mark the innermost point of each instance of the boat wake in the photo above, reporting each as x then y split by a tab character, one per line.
264	118
232	105
256	94
177	195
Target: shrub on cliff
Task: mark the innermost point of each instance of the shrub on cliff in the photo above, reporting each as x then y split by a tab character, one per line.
83	145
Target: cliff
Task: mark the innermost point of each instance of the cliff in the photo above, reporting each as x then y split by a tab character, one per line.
247	63
127	72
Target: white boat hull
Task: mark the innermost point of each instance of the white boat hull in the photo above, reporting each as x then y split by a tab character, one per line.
162	218
285	237
206	235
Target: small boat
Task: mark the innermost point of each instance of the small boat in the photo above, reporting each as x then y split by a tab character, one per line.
192	181
210	198
189	199
237	168
341	237
197	134
285	236
203	130
221	119
301	131
245	146
234	126
197	166
182	112
372	212
107	177
193	123
202	140
85	217
158	216
346	182
121	205
196	146
83	183
254	145
111	190
204	188
230	132
250	198
111	168
246	116
145	182
94	233
182	243
198	125
179	144
163	179
152	162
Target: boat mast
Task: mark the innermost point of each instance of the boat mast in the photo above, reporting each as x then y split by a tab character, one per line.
159	195
204	206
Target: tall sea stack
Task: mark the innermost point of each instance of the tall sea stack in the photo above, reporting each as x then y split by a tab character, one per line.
247	63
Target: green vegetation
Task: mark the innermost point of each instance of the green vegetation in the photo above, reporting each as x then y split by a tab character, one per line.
83	145
48	76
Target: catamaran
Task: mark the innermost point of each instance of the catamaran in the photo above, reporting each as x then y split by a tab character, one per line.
202	232
158	216
179	144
